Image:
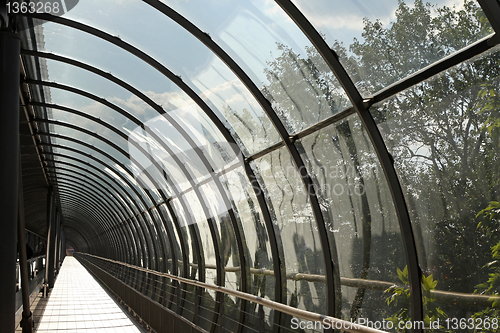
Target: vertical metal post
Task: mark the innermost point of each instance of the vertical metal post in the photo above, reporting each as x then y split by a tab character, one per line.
52	247
62	251
27	320
9	136
51	244
57	245
50	217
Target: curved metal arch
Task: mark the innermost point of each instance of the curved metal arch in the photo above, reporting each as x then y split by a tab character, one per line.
85	232
86	186
75	196
236	228
70	181
77	232
90	165
52	169
110	246
99	121
167	73
71	204
160	110
95	168
83	196
378	144
113	204
83	192
175	79
115	130
76	226
152	245
238	232
148	101
119	193
108	249
110	77
202	199
124	179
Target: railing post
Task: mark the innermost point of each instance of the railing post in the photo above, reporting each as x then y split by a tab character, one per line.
9	167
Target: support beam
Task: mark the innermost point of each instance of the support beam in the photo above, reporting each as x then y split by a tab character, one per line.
9	167
58	245
50	217
51	242
27	318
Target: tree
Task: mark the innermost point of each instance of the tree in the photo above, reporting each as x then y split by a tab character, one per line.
442	133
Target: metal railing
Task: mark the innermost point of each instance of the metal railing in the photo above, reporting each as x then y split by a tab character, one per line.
189	304
449	297
36	265
188	300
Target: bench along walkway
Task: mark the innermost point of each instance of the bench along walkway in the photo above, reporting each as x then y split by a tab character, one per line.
79	304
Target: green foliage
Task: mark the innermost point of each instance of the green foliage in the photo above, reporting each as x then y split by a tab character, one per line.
443	133
490	223
399	297
421	35
490	95
489	219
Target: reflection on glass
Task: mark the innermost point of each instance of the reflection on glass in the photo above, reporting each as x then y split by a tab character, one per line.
293	215
443	135
381	42
258	251
362	226
275	54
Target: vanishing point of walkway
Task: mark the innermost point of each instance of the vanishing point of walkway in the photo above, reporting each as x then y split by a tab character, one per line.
79	304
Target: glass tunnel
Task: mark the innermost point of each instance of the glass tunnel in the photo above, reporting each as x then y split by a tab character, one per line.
267	166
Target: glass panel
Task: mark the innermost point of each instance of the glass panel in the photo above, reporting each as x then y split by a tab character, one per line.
362	225
293	215
107	165
192	255
196	64
198	223
90	181
146	241
443	135
126	195
103	192
152	235
207	137
165	258
258	251
219	208
272	51
381	42
138	147
225	94
175	238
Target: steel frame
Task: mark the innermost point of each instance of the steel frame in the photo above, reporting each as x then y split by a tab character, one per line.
53	171
258	191
360	106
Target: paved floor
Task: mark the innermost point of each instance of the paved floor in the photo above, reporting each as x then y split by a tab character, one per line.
79	304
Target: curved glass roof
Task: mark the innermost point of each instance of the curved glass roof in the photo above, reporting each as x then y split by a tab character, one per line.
336	157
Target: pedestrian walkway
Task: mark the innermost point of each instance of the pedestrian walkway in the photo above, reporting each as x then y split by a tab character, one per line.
79	304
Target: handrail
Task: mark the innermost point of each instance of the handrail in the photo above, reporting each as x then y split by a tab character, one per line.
345	325
450	297
33	259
